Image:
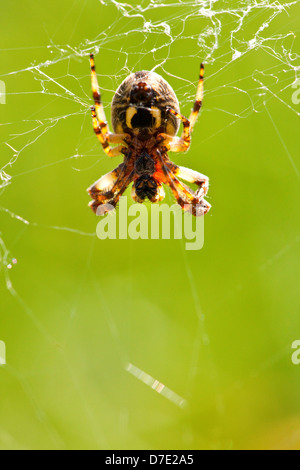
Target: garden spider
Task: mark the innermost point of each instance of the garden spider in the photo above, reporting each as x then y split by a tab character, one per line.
145	119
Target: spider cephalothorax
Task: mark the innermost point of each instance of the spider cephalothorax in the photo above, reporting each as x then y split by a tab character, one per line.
145	119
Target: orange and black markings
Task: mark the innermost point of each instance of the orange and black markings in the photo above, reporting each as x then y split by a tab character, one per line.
145	119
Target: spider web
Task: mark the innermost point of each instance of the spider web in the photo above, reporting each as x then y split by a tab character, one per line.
257	37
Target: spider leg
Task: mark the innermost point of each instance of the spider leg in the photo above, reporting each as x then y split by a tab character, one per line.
99	120
186	134
97	98
199	99
177	144
106	182
107	191
181	144
192	176
188	199
104	141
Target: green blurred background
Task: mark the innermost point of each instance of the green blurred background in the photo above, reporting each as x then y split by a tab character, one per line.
216	325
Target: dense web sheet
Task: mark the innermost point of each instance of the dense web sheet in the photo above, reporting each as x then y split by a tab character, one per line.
219	33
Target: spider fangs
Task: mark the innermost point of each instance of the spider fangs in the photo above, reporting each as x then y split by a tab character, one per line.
145	118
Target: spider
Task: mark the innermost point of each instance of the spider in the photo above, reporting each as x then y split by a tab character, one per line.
145	118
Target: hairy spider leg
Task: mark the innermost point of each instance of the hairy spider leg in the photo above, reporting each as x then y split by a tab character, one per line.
199	99
97	98
182	144
186	197
109	188
100	125
111	152
177	144
194	177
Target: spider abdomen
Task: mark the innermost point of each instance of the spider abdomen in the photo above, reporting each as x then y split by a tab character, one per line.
141	102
